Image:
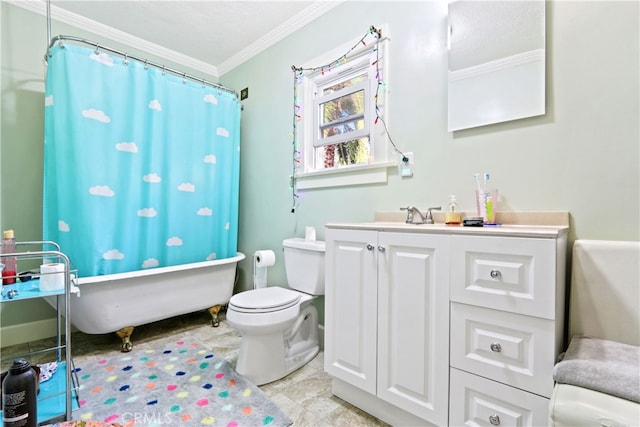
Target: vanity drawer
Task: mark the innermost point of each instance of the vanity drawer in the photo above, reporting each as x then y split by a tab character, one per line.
476	401
505	273
502	346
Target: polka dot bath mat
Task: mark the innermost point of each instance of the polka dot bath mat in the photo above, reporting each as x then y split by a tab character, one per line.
182	384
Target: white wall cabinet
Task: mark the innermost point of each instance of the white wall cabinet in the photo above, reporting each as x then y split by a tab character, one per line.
386	320
445	325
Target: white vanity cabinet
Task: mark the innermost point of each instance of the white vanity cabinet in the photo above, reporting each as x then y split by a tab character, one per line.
437	325
507	324
387	322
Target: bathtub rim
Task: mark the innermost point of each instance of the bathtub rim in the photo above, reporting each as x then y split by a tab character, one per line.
160	270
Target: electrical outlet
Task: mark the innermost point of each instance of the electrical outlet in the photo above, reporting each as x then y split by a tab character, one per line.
410	157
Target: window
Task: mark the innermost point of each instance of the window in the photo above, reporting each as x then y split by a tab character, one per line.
341	125
337	136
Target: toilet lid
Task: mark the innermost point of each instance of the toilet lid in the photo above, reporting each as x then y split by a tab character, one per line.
265	299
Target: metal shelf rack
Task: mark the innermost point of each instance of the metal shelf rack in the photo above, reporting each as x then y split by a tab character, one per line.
57	396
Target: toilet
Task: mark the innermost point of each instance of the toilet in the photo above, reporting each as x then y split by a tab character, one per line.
279	326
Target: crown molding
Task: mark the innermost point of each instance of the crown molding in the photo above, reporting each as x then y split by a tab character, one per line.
293	24
75	20
317	9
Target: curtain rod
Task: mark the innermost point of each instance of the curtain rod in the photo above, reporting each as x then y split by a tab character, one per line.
146	62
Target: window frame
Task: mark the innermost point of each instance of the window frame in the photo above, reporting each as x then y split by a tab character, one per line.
309	88
365	86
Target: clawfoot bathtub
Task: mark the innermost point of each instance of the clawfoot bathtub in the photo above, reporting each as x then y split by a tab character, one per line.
119	302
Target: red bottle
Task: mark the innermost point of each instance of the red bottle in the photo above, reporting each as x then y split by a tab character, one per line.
9	272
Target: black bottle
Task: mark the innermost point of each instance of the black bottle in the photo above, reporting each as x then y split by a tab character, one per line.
19	404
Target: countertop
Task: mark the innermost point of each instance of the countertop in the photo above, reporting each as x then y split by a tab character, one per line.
515	224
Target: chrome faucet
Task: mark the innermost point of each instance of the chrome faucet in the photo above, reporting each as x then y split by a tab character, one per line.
410	211
429	219
424	219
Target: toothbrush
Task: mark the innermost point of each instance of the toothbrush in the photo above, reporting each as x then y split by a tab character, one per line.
477	178
488	200
481	197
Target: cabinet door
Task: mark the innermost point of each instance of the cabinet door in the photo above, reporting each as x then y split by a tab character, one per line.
413	323
350	306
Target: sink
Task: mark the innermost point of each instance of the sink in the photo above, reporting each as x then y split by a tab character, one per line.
402	224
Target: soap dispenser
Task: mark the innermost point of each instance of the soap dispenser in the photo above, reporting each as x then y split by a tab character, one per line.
452	217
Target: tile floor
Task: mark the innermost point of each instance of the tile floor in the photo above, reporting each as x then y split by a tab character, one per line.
305	395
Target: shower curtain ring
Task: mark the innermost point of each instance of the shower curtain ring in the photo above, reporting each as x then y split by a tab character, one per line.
145	63
184	78
97	48
163	70
125	61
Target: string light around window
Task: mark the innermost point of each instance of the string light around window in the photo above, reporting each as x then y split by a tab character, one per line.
370	38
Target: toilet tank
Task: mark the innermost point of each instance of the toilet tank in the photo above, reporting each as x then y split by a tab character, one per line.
304	265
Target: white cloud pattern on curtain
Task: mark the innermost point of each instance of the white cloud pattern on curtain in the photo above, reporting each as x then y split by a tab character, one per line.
141	167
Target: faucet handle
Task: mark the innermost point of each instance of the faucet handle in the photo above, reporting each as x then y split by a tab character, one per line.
409	210
429	216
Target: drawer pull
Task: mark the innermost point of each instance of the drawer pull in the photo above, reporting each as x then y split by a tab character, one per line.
381	248
494	420
495	274
369	247
496	347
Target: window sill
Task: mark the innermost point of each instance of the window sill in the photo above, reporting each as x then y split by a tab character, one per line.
345	175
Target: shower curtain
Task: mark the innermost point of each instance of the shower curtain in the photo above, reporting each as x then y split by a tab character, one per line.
141	167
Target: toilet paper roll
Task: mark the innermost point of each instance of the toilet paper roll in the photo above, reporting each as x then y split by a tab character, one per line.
52	277
261	261
310	233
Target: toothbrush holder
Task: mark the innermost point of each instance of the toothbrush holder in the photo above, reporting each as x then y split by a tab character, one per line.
486	205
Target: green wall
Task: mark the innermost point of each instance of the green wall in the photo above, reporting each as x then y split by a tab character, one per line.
582	156
23	48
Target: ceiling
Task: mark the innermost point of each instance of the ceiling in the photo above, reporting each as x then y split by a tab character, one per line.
213	36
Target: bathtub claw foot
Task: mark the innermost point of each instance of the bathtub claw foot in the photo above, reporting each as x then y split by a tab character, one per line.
125	335
213	311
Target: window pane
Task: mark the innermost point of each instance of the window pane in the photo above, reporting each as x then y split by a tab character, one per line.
337	86
342	115
346	153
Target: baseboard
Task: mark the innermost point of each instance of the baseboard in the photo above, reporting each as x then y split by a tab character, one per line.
27	332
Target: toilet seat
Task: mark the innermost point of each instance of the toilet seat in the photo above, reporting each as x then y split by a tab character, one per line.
264	300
